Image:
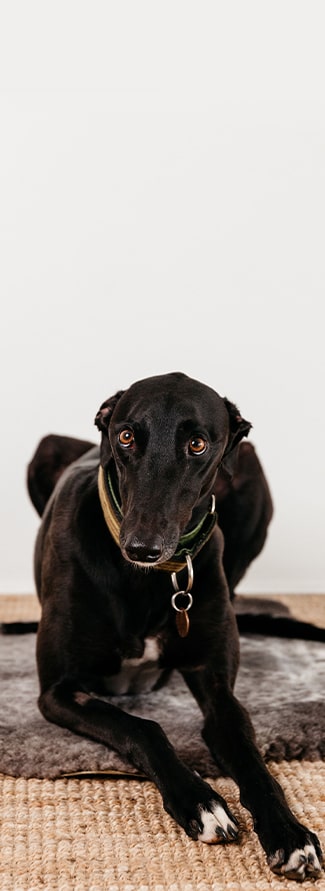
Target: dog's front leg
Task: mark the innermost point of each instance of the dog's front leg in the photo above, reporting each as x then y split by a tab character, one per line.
292	850
187	798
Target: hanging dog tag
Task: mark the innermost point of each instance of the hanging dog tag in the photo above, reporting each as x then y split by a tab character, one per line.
182	622
182	619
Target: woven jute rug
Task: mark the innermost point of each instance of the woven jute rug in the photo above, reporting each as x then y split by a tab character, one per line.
113	834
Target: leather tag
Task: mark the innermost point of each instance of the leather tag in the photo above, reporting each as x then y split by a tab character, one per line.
182	622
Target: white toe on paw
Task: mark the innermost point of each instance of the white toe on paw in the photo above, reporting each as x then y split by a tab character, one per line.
301	863
217	825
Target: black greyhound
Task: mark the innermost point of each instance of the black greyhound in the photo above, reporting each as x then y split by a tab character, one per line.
122	605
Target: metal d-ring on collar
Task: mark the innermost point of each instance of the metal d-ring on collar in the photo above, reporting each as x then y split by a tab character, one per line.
182	619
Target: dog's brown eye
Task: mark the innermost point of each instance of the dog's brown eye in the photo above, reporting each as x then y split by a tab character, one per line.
126	437
197	445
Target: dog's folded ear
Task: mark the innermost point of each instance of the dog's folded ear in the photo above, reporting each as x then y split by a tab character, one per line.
105	411
238	428
102	420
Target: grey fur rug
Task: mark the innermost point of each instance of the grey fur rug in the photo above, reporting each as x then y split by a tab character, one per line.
281	682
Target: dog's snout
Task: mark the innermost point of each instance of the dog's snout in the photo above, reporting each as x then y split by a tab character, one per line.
144	552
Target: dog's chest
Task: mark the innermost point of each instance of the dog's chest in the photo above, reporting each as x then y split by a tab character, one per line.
137	674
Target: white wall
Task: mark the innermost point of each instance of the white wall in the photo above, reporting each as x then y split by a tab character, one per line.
162	187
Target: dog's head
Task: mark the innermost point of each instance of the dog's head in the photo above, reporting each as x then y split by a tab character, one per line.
166	436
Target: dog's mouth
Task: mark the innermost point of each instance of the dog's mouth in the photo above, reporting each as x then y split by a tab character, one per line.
138	564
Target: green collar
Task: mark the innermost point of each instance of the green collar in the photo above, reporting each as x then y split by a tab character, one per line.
189	544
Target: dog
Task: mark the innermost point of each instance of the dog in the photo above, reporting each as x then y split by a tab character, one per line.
142	543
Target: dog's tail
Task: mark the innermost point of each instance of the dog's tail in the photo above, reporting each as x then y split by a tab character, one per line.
278	626
53	454
18	627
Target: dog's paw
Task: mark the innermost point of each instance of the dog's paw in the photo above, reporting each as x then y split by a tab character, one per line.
218	824
201	811
303	863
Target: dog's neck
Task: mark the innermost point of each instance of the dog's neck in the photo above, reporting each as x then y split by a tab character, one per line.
189	544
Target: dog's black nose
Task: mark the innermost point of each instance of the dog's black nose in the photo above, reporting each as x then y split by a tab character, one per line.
139	552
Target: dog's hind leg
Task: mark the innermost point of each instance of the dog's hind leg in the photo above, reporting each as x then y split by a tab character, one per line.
245	509
53	454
